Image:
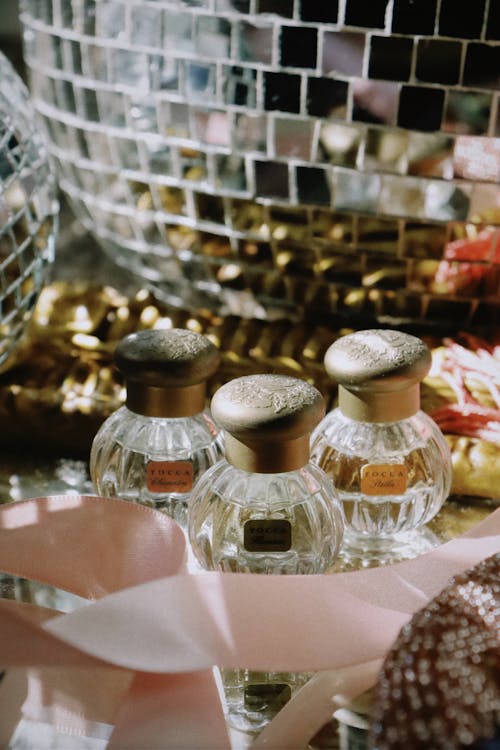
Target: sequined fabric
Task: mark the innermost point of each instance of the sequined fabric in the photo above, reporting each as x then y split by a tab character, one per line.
439	688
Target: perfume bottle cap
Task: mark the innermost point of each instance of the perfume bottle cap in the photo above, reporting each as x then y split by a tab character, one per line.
378	372
166	371
268	420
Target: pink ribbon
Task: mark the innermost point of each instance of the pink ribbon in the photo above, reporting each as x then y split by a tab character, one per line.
139	657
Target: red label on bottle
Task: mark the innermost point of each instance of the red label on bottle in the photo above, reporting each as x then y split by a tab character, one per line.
169	476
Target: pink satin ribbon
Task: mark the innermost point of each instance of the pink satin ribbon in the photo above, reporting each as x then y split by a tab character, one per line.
140	656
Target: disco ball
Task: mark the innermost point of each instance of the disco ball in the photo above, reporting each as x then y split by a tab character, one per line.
28	209
282	157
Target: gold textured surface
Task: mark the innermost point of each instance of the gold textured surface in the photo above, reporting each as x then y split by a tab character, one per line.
61	380
63	370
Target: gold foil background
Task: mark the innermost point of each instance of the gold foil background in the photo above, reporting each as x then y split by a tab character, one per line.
61	383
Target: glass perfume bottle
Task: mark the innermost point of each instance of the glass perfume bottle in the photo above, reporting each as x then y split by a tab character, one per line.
265	508
388	459
153	449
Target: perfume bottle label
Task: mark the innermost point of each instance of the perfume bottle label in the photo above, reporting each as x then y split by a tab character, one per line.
266	696
267	535
383	479
169	476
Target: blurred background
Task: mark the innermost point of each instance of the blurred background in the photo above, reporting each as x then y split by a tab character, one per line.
10	31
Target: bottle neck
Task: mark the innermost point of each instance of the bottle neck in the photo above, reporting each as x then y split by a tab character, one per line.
268	456
169	402
380	406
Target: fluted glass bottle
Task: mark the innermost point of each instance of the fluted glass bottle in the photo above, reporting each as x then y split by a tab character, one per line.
242	522
265	508
389	460
153	449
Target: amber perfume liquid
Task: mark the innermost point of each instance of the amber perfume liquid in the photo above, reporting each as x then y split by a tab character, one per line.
391	478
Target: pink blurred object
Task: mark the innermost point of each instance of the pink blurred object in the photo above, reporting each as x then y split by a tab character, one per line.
140	658
470	360
471	266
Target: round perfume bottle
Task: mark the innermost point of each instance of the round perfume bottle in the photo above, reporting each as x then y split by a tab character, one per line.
153	449
265	508
390	462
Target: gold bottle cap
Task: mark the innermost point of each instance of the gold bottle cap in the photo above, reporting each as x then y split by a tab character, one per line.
378	372
166	371
268	420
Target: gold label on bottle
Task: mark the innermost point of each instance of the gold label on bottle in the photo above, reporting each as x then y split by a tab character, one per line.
266	697
384	479
267	535
169	476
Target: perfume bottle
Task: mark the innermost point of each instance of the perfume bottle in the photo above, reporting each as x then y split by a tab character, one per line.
153	449
265	508
388	459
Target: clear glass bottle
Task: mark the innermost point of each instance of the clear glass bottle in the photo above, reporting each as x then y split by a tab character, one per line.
388	459
153	449
265	508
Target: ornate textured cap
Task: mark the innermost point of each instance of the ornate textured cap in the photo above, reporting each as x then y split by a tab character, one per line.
268	420
165	358
166	370
266	407
369	364
378	360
